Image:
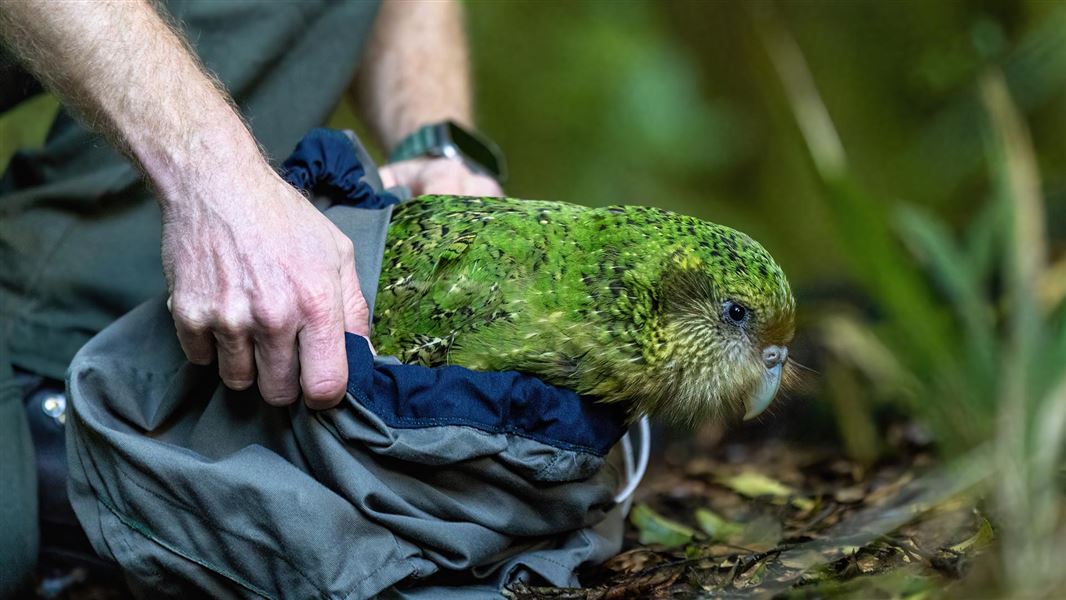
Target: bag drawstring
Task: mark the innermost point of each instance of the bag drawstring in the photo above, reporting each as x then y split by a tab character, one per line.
635	462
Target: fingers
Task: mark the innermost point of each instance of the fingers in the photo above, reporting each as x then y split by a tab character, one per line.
202	337
356	310
269	347
279	371
236	360
463	183
195	337
402	173
269	299
439	176
289	348
323	360
480	185
275	355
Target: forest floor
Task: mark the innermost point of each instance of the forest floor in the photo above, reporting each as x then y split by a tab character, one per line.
772	519
767	517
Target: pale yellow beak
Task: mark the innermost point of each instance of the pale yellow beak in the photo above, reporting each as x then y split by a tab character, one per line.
774	359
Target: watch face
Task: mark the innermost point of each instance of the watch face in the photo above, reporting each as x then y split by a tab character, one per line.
476	150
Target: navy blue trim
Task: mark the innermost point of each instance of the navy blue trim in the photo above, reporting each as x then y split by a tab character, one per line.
325	163
411	396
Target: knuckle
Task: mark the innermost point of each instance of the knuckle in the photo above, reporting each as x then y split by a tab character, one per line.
231	322
191	316
347	249
318	301
272	316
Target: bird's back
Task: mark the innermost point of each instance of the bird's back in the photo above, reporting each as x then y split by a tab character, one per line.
500	283
455	266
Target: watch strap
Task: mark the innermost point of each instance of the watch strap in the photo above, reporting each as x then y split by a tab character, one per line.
449	139
422	142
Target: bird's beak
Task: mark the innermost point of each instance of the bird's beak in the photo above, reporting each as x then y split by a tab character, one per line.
764	394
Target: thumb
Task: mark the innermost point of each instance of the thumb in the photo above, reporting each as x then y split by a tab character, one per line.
406	173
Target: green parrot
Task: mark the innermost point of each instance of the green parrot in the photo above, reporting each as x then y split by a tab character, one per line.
677	317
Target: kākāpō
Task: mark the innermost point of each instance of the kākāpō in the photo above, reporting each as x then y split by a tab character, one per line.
675	316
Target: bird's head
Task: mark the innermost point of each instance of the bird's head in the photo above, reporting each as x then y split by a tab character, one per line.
717	341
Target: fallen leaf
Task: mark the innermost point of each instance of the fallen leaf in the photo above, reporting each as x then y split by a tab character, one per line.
801	559
978	540
760	534
715	526
754	485
657	529
867	563
633	561
850	494
750	577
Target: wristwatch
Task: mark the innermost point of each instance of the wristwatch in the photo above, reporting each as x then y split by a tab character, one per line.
447	139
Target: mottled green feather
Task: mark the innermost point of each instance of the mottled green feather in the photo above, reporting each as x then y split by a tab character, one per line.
622	303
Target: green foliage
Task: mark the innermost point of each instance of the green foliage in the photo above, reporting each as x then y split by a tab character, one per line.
756	485
657	529
674	104
25	126
980	366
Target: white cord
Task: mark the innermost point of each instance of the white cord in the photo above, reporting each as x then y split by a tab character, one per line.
634	473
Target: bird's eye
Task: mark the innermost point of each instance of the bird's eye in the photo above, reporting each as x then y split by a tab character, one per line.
736	312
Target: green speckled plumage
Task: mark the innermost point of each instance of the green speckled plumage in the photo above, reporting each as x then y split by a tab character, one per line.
620	303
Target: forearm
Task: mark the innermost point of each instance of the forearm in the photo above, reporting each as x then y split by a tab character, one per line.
131	77
259	280
416	69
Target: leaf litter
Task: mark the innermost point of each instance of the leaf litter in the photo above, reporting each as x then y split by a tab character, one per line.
763	519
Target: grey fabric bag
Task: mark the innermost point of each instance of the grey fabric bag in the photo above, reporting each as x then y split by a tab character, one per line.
196	489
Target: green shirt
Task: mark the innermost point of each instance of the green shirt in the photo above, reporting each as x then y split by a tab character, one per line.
80	231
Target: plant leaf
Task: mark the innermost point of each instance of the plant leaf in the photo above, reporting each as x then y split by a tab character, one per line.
717	528
981	538
930	238
657	529
754	485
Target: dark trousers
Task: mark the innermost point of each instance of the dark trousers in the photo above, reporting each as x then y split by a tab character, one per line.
19	533
36	518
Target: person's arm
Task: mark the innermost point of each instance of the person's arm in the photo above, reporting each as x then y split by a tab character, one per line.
258	277
417	72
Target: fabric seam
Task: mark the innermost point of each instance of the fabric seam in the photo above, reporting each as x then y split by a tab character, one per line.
413	423
193	513
143	530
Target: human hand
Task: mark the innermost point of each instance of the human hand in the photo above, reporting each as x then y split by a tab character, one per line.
263	280
431	175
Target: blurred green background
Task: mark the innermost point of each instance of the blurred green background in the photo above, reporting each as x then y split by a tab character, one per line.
676	104
905	163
